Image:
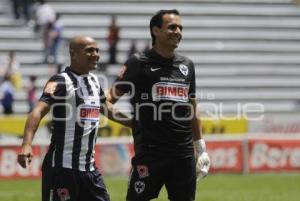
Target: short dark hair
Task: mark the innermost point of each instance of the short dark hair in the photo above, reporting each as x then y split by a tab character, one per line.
157	20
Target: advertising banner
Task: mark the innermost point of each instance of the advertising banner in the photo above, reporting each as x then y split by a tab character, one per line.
224	126
9	168
111	159
272	123
14	125
114	159
209	126
225	156
274	155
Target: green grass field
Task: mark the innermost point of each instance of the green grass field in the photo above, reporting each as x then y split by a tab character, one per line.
271	187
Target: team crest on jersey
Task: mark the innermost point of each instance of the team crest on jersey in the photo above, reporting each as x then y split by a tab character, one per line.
142	170
170	91
139	187
184	69
63	194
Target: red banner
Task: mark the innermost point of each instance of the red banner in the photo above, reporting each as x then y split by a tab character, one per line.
9	167
274	155
225	156
112	159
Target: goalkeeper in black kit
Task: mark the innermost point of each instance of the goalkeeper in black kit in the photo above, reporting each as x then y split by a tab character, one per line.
169	148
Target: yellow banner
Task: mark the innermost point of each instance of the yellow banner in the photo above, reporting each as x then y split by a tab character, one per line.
225	126
14	125
209	126
111	128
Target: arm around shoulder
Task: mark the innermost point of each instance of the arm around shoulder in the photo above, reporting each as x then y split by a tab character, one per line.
112	96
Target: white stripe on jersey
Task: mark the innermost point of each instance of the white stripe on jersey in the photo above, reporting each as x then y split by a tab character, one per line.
69	125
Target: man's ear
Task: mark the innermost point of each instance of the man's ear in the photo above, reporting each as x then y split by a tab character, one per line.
72	52
155	30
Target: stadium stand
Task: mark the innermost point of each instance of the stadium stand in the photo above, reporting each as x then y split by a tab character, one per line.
244	50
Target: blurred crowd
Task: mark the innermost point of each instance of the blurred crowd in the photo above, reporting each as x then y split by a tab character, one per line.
47	25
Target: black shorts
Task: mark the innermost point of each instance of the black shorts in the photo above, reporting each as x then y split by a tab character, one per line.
149	174
66	184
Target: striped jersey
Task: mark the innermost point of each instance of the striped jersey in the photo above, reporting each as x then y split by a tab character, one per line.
75	104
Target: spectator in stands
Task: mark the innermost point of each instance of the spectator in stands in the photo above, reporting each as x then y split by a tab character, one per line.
7	92
53	35
22	8
132	49
58	67
47	41
112	39
11	69
31	93
147	46
43	15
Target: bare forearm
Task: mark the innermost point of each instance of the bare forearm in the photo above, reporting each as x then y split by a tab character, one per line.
117	116
112	96
33	121
32	124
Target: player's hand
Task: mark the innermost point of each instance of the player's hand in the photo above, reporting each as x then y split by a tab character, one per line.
202	165
202	159
25	156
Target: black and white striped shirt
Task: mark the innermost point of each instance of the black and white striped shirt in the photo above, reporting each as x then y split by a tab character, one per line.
75	102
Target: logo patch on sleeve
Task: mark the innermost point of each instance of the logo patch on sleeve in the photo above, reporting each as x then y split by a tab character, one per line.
50	87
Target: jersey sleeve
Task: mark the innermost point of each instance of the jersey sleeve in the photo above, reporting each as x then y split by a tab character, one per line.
54	90
192	90
129	75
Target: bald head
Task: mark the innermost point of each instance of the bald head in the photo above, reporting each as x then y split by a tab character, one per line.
84	54
78	42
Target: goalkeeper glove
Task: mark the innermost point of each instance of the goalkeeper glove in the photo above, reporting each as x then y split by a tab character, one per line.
202	159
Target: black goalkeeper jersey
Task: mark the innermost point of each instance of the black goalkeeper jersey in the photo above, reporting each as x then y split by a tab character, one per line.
161	90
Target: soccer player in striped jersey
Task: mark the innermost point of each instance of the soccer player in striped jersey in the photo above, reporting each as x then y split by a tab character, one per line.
76	98
165	124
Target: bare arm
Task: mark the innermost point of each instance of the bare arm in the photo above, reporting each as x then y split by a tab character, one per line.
32	123
112	96
117	116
